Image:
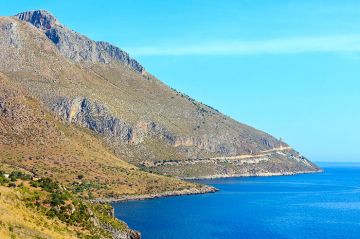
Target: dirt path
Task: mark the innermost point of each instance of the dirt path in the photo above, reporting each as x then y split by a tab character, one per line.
262	153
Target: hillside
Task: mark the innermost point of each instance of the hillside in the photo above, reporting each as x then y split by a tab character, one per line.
42	208
98	87
31	139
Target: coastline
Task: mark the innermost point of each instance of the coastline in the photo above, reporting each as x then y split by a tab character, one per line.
193	191
252	175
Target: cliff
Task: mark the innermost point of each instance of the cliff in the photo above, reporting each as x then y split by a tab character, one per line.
76	47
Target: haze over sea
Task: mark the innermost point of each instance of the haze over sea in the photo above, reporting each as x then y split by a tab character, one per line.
324	205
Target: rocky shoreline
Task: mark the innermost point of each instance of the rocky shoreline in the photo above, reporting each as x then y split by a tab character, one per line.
131	234
267	174
192	191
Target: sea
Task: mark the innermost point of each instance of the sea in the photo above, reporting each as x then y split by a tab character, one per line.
307	206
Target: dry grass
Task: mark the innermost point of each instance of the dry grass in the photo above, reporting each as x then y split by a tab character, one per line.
19	221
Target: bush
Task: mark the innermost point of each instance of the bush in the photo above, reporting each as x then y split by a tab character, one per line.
51	213
3	180
58	199
47	184
35	184
19	175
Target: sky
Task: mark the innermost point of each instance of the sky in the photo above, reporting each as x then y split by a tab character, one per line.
290	68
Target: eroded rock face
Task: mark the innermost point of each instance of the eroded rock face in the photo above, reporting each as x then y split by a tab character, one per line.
117	234
95	116
41	19
75	46
92	115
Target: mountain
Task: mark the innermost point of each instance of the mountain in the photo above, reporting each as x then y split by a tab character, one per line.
98	87
75	46
32	139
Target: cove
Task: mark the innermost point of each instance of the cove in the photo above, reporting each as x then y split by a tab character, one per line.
323	205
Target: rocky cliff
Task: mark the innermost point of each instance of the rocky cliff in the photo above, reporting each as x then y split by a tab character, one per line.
97	86
75	46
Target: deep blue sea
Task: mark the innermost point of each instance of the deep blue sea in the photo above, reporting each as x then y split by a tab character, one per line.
308	206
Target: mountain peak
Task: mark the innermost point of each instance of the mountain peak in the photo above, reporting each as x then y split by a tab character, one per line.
75	46
39	18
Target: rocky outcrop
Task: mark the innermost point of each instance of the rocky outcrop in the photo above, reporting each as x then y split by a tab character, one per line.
97	117
120	234
92	115
40	19
75	46
115	232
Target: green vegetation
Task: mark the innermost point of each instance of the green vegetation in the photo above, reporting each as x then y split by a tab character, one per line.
18	175
49	198
3	179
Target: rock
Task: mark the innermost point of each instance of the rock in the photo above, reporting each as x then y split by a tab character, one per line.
117	234
92	115
40	18
75	46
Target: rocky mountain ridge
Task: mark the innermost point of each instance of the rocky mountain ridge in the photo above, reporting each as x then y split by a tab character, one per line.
75	46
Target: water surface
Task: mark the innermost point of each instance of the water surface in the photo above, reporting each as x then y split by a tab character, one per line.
325	205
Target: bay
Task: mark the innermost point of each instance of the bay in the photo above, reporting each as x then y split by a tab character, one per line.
322	205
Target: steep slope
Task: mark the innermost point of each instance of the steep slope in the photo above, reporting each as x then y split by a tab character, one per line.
77	47
98	86
32	139
45	209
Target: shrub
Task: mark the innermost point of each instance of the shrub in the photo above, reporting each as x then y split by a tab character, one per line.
19	175
35	184
12	185
47	184
58	198
51	213
3	180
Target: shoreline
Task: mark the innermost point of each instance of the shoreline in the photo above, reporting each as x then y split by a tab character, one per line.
194	191
219	176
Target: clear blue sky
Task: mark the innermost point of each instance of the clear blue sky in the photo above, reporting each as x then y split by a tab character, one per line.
290	68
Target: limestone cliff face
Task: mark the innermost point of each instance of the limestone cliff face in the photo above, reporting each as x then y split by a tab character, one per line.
92	115
97	117
40	19
75	46
117	234
98	86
